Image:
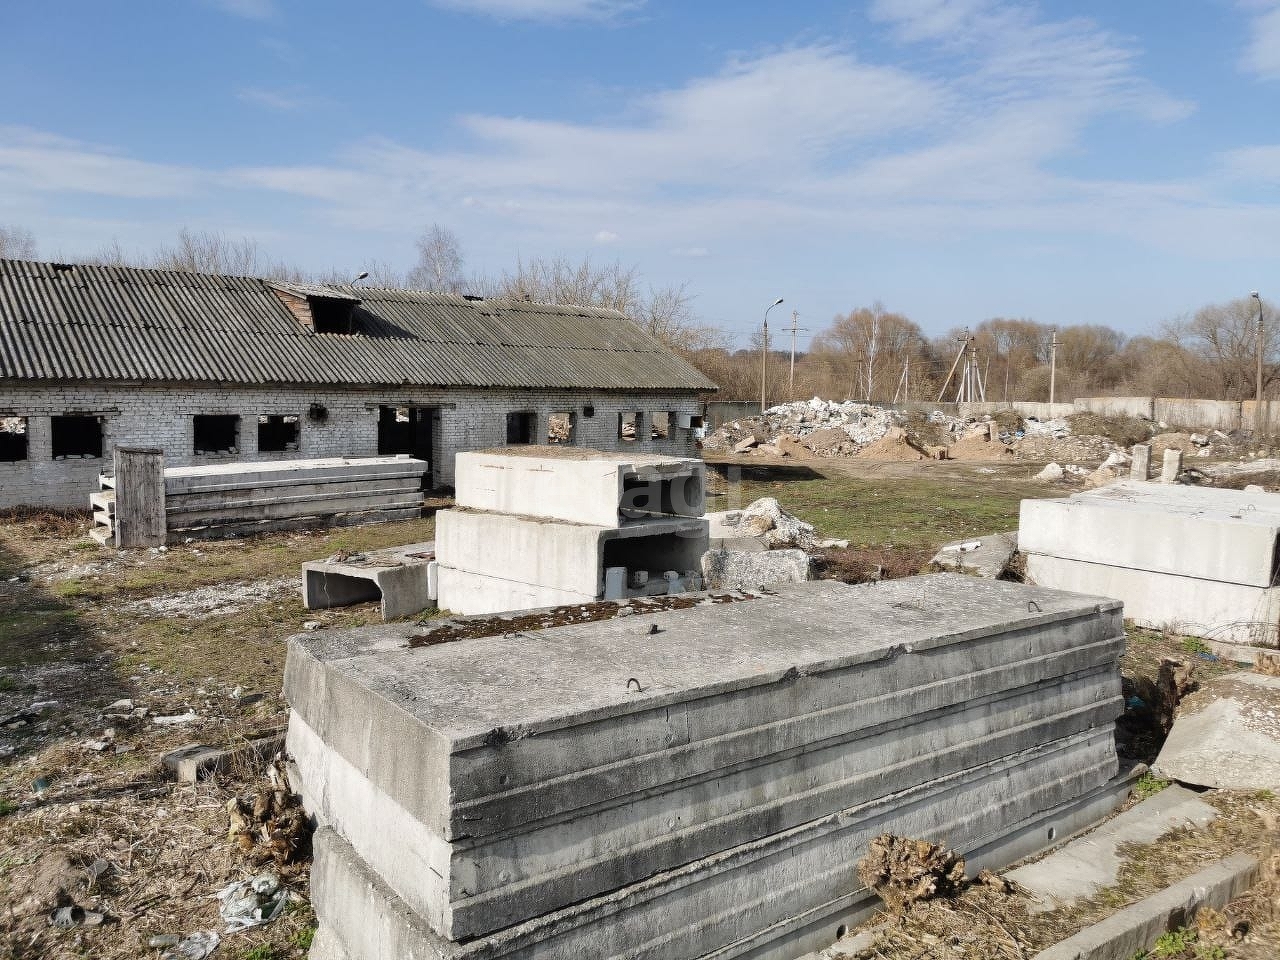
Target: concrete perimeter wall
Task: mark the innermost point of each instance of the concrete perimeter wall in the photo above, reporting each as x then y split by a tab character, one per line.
160	415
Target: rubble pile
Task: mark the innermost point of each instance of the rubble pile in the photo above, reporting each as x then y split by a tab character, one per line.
825	428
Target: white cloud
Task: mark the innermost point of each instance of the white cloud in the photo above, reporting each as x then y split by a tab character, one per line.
279	100
34	160
544	10
1262	55
606	236
249	9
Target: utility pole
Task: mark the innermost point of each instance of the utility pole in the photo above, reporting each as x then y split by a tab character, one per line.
764	356
1260	427
1053	366
791	379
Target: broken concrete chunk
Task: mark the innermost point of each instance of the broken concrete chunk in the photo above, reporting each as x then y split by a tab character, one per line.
987	556
743	446
1050	473
735	570
1226	735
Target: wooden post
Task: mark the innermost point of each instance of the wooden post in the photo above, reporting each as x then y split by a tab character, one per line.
140	518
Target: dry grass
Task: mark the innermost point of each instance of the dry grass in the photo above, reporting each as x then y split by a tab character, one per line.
1125	431
984	923
72	631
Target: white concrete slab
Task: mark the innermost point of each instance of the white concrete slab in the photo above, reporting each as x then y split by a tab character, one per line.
1205	533
1226	735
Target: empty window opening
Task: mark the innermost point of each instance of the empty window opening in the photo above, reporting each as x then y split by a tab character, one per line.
13	439
561	427
588	412
278	433
332	316
76	436
216	433
630	426
522	426
660	424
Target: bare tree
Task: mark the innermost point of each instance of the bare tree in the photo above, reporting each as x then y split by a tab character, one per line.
1226	337
17	243
439	266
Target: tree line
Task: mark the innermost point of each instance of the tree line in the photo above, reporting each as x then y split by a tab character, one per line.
870	353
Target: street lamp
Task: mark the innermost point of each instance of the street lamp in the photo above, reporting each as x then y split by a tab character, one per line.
1258	398
764	353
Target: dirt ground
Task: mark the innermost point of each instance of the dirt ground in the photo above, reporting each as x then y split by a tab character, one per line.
195	631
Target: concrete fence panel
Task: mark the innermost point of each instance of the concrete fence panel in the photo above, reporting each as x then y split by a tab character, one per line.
1143	407
1199	414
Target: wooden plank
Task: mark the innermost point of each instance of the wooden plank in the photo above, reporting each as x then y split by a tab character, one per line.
140	497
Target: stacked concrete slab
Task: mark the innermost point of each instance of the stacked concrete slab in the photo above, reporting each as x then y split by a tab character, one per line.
545	526
1199	560
691	783
238	498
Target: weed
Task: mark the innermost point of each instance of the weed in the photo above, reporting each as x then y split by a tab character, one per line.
1181	943
264	951
7	807
1194	645
1149	785
302	939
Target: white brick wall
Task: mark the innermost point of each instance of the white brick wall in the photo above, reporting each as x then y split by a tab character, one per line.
160	416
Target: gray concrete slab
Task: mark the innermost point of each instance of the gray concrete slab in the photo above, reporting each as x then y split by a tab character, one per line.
526	869
775	898
986	556
751	569
1126	933
1199	532
1193	606
511	710
1091	862
1226	735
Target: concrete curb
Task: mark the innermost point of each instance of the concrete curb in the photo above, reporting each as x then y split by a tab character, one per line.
1137	927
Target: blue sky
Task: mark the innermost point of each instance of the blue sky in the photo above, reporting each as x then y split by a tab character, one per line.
1110	162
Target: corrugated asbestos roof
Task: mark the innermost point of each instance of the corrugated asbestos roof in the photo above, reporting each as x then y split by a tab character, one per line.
73	322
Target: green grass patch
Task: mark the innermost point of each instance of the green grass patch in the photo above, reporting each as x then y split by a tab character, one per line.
902	511
1149	785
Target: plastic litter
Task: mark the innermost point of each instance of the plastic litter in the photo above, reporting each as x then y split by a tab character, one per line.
251	903
195	947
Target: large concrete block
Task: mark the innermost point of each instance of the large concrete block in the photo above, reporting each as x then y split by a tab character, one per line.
524	557
580	485
552	779
1231	612
751	900
1205	533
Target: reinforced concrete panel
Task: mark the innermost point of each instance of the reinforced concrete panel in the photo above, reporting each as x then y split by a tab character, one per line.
519	737
1207	534
1232	612
740	901
579	485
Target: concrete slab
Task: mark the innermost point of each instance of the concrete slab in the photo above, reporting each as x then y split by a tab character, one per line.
1187	605
397	577
579	485
552	779
1089	863
772	900
196	760
1136	928
986	556
1199	532
1226	735
523	870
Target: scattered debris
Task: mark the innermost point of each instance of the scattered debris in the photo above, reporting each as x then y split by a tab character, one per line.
217	600
198	946
763	520
251	903
904	871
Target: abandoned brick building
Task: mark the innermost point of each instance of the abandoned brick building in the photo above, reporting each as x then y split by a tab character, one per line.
213	368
